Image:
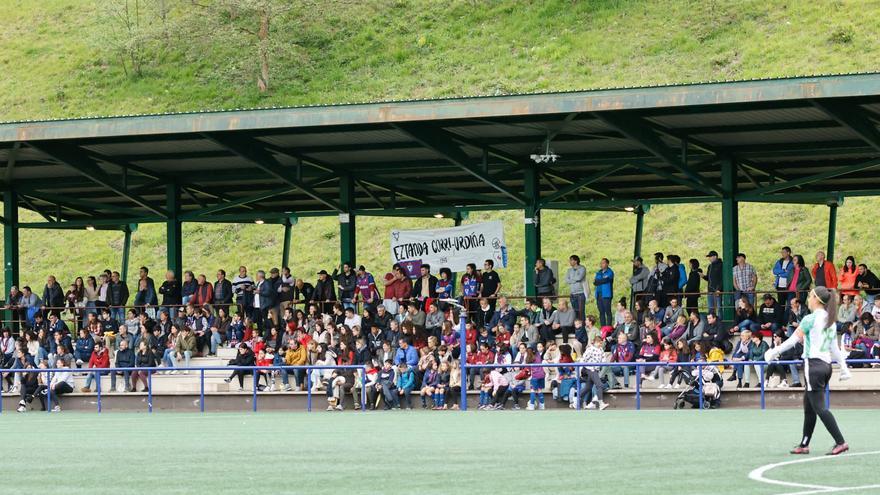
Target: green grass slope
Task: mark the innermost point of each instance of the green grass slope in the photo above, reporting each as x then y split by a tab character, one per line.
54	65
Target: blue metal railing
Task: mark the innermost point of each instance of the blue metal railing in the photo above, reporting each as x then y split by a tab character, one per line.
152	370
639	365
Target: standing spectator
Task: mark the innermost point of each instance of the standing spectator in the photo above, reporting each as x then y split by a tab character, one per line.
783	270
591	382
117	297
604	282
713	277
545	280
657	283
865	280
470	288
692	288
30	306
242	287
800	280
204	293
188	288
445	288
264	299
285	290
639	280
425	287
365	288
325	292
144	274
302	291
13	304
347	281
536	382
145	298
222	292
170	290
576	278
823	272
745	279
53	296
847	277
490	283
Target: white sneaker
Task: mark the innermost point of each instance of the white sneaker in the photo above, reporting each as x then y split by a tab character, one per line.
675	386
185	372
21	409
572	405
603	405
530	407
172	372
541	406
591	405
288	388
56	409
14	389
783	384
339	407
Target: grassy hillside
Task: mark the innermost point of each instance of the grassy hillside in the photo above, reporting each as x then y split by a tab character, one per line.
55	64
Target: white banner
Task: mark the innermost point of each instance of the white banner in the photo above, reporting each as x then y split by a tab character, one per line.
452	248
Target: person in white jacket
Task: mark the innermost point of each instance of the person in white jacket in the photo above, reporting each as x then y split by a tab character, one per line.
61	383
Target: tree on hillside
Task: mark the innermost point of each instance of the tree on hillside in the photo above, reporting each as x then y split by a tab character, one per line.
136	30
249	21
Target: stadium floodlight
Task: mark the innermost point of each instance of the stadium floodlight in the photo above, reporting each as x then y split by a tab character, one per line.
259	222
630	209
90	228
547	156
438	215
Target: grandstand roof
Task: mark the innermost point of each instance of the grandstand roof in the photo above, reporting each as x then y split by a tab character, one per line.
802	139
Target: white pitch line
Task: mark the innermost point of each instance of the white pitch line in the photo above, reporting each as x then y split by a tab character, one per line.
757	474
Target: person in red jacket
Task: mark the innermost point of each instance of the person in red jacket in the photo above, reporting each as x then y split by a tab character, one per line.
823	271
100	359
204	293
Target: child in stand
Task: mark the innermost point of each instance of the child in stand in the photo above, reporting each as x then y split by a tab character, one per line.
263	360
500	385
485	390
648	353
668	355
716	354
536	382
430	381
683	353
442	386
454	389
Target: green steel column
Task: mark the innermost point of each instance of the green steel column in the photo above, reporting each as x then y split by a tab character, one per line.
640	227
832	230
347	227
729	231
126	250
285	249
10	239
532	218
174	236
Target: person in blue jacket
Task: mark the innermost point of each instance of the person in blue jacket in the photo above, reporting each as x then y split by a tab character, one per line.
406	380
604	282
84	346
783	271
406	353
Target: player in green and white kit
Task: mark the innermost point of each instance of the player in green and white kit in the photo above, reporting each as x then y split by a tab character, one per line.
818	333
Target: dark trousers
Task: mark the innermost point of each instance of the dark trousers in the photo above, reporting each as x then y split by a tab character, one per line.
500	395
60	389
605	318
818	374
126	375
240	374
591	381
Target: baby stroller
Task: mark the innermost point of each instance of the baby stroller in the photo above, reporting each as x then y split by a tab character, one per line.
712	383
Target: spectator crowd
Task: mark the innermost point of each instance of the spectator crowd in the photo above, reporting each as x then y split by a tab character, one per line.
396	341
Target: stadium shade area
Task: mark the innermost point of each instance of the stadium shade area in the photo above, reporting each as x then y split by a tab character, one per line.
794	140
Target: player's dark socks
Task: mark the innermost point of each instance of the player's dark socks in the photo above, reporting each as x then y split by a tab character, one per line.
838	449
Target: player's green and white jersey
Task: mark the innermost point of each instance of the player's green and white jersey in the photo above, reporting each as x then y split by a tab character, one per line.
818	336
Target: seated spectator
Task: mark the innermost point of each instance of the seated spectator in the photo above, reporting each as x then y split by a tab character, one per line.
695	328
219	330
670	315
592	389
265	359
483	356
85	344
770	316
406	381
498	390
60	383
562	320
683	355
184	348
244	358
775	368
295	356
756	353
679	330
144	358
453	393
796	312
125	358
649	352
668	356
386	383
622	352
100	358
741	352
628	328
430	382
31	384
745	316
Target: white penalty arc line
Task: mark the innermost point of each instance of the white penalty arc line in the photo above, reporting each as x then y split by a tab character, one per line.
757	474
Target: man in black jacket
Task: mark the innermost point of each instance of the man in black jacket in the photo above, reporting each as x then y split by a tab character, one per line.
170	290
53	296
714	280
347	281
865	280
222	292
325	293
302	291
124	359
117	297
425	286
770	315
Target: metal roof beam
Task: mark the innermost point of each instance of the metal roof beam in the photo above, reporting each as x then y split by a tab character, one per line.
79	160
851	116
253	151
443	143
193	215
369	193
10	160
431	188
836	172
582	183
34	208
642	134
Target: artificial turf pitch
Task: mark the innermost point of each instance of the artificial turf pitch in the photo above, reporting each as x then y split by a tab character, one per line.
504	452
